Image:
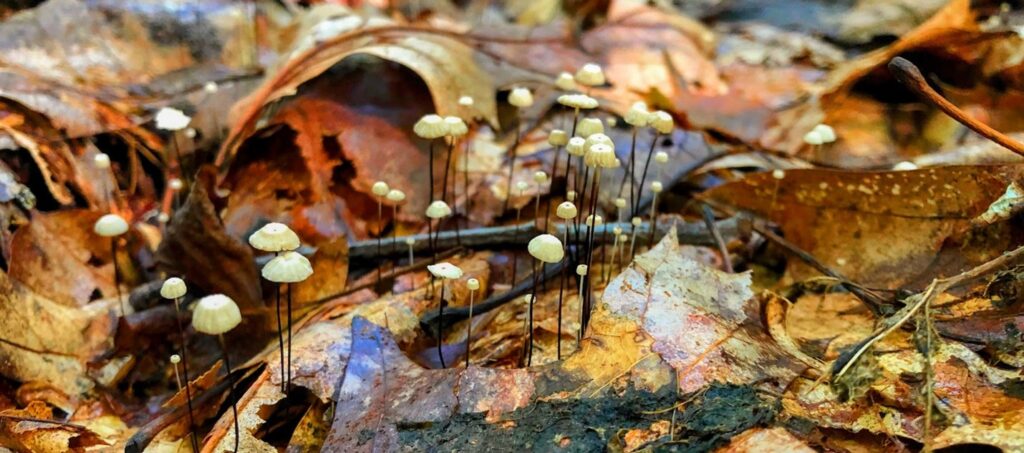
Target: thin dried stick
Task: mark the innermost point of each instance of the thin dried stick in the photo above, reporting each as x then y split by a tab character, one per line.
910	76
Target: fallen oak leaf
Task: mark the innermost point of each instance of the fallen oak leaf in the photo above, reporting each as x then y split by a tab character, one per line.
34	429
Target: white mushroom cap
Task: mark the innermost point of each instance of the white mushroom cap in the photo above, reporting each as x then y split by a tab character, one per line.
101	160
590	126
600	156
581	270
623	238
175	184
190	133
661	157
620	203
636	221
576	146
814	138
274	237
828	135
171	119
905	166
410	240
617	230
175	359
473	284
540	177
558	137
430	127
592	219
445	270
466	101
173	288
596	139
456	127
521	186
395	196
566	210
638	115
288	267
578	101
662	122
520	97
380	188
570	195
110	225
778	173
163	217
656	186
215	315
546	248
565	82
211	87
438	209
590	75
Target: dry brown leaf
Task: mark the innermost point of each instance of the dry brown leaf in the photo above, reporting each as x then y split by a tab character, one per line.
443	61
702	320
765	440
29	350
59	256
881	229
36	436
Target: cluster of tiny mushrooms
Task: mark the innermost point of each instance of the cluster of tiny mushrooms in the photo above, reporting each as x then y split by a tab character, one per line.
588	149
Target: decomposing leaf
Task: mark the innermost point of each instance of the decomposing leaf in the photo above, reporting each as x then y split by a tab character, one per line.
885	229
30	351
29	435
59	256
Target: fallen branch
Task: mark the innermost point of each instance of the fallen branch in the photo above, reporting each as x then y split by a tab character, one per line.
910	76
505	236
141	439
452	315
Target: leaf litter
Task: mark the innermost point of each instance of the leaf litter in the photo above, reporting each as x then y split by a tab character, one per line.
873	306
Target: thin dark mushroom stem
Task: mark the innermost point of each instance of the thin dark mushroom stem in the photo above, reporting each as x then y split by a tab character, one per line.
280	335
444	188
117	275
184	371
380	222
643	176
440	331
531	301
628	175
289	364
231	386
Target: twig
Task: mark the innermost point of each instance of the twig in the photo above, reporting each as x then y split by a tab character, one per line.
430	319
938	286
689	233
910	76
709	221
868	296
141	439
